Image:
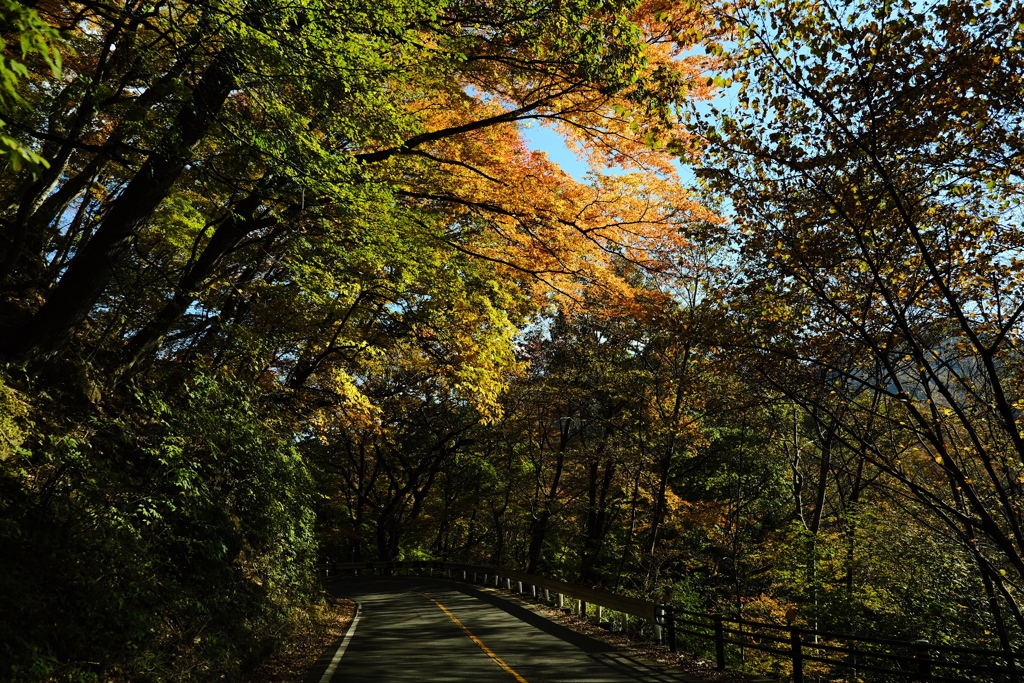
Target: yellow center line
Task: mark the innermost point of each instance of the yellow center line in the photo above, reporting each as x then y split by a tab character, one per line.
476	640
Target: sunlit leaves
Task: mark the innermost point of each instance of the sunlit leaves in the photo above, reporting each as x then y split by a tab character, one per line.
871	163
34	39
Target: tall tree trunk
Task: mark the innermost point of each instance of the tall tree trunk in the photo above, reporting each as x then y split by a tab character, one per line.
542	522
627	545
49	331
597	520
660	503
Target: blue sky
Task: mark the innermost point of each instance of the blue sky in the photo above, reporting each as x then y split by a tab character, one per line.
545	139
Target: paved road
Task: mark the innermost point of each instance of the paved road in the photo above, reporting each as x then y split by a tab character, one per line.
419	630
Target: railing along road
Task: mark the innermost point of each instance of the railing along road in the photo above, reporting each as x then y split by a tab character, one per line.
804	651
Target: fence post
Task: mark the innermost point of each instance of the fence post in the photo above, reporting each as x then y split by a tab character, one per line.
924	659
798	656
561	601
719	643
670	623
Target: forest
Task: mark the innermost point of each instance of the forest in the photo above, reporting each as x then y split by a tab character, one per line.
283	282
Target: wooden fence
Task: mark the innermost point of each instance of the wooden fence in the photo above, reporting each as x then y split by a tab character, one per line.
844	657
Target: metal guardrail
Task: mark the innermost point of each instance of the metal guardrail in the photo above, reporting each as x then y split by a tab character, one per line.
498	577
848	657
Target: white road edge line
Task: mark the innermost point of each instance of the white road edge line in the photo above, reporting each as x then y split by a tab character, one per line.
341	648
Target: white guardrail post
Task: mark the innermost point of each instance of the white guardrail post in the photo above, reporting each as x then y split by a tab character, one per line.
555	592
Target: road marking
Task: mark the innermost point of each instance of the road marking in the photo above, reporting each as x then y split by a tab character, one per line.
476	640
326	678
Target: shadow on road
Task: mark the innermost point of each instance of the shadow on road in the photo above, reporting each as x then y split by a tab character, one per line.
352	587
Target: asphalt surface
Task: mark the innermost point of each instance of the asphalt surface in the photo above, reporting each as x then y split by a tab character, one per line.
406	631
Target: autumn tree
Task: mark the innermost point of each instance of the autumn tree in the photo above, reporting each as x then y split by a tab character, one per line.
871	162
275	146
382	468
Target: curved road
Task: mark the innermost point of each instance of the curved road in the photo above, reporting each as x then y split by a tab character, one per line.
419	630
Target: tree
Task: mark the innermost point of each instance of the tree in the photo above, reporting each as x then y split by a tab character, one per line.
382	471
299	137
872	167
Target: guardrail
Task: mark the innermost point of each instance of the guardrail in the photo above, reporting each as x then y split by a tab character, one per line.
555	592
845	656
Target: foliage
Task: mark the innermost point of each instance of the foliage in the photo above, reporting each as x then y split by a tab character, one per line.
166	542
33	38
871	169
14	427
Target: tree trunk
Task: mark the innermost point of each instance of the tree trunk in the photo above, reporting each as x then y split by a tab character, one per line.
542	522
48	332
597	521
225	238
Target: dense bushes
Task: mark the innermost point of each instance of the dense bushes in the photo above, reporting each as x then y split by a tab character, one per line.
168	542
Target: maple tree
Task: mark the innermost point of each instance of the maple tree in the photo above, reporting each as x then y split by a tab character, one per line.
295	158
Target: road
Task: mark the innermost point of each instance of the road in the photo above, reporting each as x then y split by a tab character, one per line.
420	630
